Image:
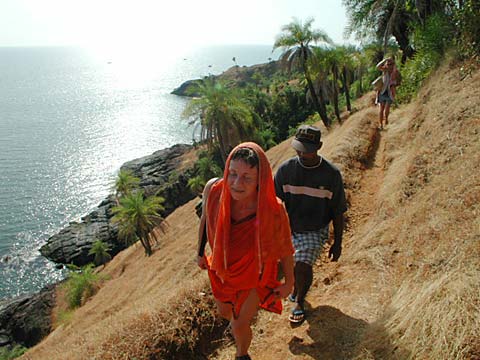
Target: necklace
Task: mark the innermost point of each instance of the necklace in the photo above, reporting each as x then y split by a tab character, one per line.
312	166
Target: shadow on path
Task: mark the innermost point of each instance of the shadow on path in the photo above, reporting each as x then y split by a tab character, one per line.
334	335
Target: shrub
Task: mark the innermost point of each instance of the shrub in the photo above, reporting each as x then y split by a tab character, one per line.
100	251
8	353
430	42
81	285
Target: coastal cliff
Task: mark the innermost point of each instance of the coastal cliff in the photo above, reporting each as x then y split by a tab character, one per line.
165	173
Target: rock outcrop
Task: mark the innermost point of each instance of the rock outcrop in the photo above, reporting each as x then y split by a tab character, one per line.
164	173
236	75
27	319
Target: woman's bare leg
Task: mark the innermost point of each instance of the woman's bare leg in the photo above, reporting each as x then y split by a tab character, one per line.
387	111
241	329
224	309
380	118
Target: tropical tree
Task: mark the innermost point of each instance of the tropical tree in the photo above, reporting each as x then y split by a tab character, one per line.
100	251
223	116
137	217
382	19
125	183
295	41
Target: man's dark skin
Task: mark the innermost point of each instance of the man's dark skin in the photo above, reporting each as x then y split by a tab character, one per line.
303	271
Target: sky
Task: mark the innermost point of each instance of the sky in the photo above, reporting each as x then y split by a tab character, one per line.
171	24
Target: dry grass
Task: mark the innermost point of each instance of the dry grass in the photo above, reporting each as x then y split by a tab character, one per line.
407	285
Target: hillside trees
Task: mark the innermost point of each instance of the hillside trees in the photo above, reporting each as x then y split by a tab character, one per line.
295	41
224	118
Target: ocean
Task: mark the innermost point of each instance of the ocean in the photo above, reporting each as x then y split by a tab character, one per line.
69	118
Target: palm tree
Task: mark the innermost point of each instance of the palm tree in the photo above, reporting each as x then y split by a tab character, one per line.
347	58
295	41
100	251
382	19
223	117
125	183
196	184
137	216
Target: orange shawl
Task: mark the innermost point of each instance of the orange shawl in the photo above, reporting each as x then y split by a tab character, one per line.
272	237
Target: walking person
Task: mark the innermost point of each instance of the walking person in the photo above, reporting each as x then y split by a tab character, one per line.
248	233
312	190
386	94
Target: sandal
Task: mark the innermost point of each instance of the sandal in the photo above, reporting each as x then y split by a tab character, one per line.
292	298
297	315
243	357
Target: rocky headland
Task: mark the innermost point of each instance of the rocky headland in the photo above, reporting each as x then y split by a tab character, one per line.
164	173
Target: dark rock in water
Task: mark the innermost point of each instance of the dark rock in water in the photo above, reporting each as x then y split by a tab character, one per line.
161	173
27	319
72	244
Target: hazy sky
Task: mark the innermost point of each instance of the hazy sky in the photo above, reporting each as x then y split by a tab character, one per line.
170	24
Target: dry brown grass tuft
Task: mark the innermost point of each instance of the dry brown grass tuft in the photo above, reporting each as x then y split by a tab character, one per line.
186	328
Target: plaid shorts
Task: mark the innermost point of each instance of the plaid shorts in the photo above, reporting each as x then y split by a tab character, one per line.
309	245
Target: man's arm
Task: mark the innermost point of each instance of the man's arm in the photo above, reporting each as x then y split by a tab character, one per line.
336	248
381	64
202	230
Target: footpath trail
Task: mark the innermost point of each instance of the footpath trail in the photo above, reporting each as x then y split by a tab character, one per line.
346	297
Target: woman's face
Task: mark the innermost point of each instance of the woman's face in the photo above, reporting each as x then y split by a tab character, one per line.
242	180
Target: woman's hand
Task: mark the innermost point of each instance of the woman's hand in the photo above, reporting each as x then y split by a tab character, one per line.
283	291
202	262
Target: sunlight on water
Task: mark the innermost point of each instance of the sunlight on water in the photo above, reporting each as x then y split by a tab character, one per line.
68	121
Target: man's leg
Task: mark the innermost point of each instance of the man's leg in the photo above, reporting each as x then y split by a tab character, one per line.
241	329
303	281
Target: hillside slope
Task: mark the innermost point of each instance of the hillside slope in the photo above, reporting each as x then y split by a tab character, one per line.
407	283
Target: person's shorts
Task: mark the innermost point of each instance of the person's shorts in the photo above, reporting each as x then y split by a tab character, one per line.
309	245
384	98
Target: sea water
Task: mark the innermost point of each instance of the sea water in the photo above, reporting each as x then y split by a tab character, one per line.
69	118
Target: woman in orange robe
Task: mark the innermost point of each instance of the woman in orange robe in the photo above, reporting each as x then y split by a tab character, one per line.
249	233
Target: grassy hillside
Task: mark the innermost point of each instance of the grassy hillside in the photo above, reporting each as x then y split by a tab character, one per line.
407	284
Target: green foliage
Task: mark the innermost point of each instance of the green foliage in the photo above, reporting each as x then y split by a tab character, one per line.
430	41
196	184
467	23
137	216
125	183
8	353
224	117
81	284
100	251
64	317
266	138
435	36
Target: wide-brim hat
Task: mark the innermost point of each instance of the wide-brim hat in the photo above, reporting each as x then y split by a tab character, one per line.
307	139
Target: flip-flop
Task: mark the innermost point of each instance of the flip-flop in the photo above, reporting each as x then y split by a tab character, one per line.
297	316
292	298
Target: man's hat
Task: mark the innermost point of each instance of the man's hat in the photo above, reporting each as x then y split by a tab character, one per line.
307	139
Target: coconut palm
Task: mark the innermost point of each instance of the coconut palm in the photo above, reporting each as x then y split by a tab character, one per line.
295	41
137	216
100	251
381	20
125	183
223	117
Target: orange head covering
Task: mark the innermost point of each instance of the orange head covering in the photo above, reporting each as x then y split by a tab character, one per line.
272	235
